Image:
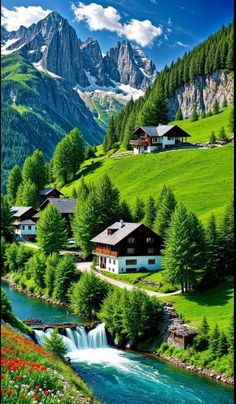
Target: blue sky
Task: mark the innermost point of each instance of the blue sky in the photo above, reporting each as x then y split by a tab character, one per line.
165	29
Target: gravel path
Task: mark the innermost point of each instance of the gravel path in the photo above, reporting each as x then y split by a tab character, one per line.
86	266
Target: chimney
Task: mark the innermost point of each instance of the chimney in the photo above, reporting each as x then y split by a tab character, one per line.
121	223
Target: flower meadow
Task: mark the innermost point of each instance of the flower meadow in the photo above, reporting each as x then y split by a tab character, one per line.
29	374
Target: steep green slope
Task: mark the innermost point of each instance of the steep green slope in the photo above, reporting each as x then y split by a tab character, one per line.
202	179
37	111
200	130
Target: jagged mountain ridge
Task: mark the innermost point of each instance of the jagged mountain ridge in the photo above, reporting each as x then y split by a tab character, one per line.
52	44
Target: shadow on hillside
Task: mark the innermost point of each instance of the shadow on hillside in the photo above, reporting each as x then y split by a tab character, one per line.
89	169
218	295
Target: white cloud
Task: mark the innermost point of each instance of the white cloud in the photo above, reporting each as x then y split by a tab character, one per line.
13	19
143	32
182	44
108	18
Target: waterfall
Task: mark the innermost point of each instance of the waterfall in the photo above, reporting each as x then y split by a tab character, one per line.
97	337
78	339
39	335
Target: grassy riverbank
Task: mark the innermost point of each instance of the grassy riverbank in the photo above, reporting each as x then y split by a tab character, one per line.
31	374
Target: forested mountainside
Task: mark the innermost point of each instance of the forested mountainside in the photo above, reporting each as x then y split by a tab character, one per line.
197	79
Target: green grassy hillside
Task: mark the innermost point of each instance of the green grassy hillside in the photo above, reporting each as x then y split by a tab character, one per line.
202	179
200	130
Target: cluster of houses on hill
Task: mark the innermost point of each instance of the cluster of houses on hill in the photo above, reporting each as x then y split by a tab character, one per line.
26	217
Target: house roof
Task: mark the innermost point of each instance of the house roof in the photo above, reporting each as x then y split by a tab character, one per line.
64	205
24	222
161	130
118	235
18	211
47	191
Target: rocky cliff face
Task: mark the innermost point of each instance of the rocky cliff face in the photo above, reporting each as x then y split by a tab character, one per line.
122	67
202	92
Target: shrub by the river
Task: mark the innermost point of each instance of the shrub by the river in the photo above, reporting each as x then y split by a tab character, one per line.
55	344
131	315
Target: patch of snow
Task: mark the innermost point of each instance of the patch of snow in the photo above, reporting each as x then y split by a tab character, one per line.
4	50
43	48
32	51
119	90
39	67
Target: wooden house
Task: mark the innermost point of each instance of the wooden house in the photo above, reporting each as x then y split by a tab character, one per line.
49	193
148	139
64	205
181	335
24	225
128	247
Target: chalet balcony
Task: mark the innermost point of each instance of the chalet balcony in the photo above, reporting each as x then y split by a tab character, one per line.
138	143
105	252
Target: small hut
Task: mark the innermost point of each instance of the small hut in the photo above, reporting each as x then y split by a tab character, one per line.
181	335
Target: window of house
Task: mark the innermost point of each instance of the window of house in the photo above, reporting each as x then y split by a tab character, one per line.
151	262
131	240
130	250
131	262
114	262
170	138
150	240
109	261
150	250
23	227
29	227
154	140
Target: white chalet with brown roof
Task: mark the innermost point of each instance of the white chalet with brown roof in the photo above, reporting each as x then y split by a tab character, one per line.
23	224
148	139
128	247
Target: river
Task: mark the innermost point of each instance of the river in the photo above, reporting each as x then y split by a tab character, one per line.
118	377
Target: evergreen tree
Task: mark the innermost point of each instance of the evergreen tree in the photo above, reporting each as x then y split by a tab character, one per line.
223	346
216	108
76	153
65	275
129	129
54	343
203	115
226	231
194	116
179	115
27	194
51	231
230	335
184	252
213	253
14	180
68	156
165	207
86	224
50	272
224	103
204	327
35	267
230	55
139	211
108	202
150	213
89	153
154	111
6	218
222	134
209	113
214	339
110	137
87	294
212	138
125	212
34	169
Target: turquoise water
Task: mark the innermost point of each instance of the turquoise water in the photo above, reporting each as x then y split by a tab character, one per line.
25	307
118	377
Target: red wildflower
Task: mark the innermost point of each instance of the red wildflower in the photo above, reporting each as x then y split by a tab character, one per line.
18	377
2	376
2	391
36	388
22	396
8	391
46	392
36	397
